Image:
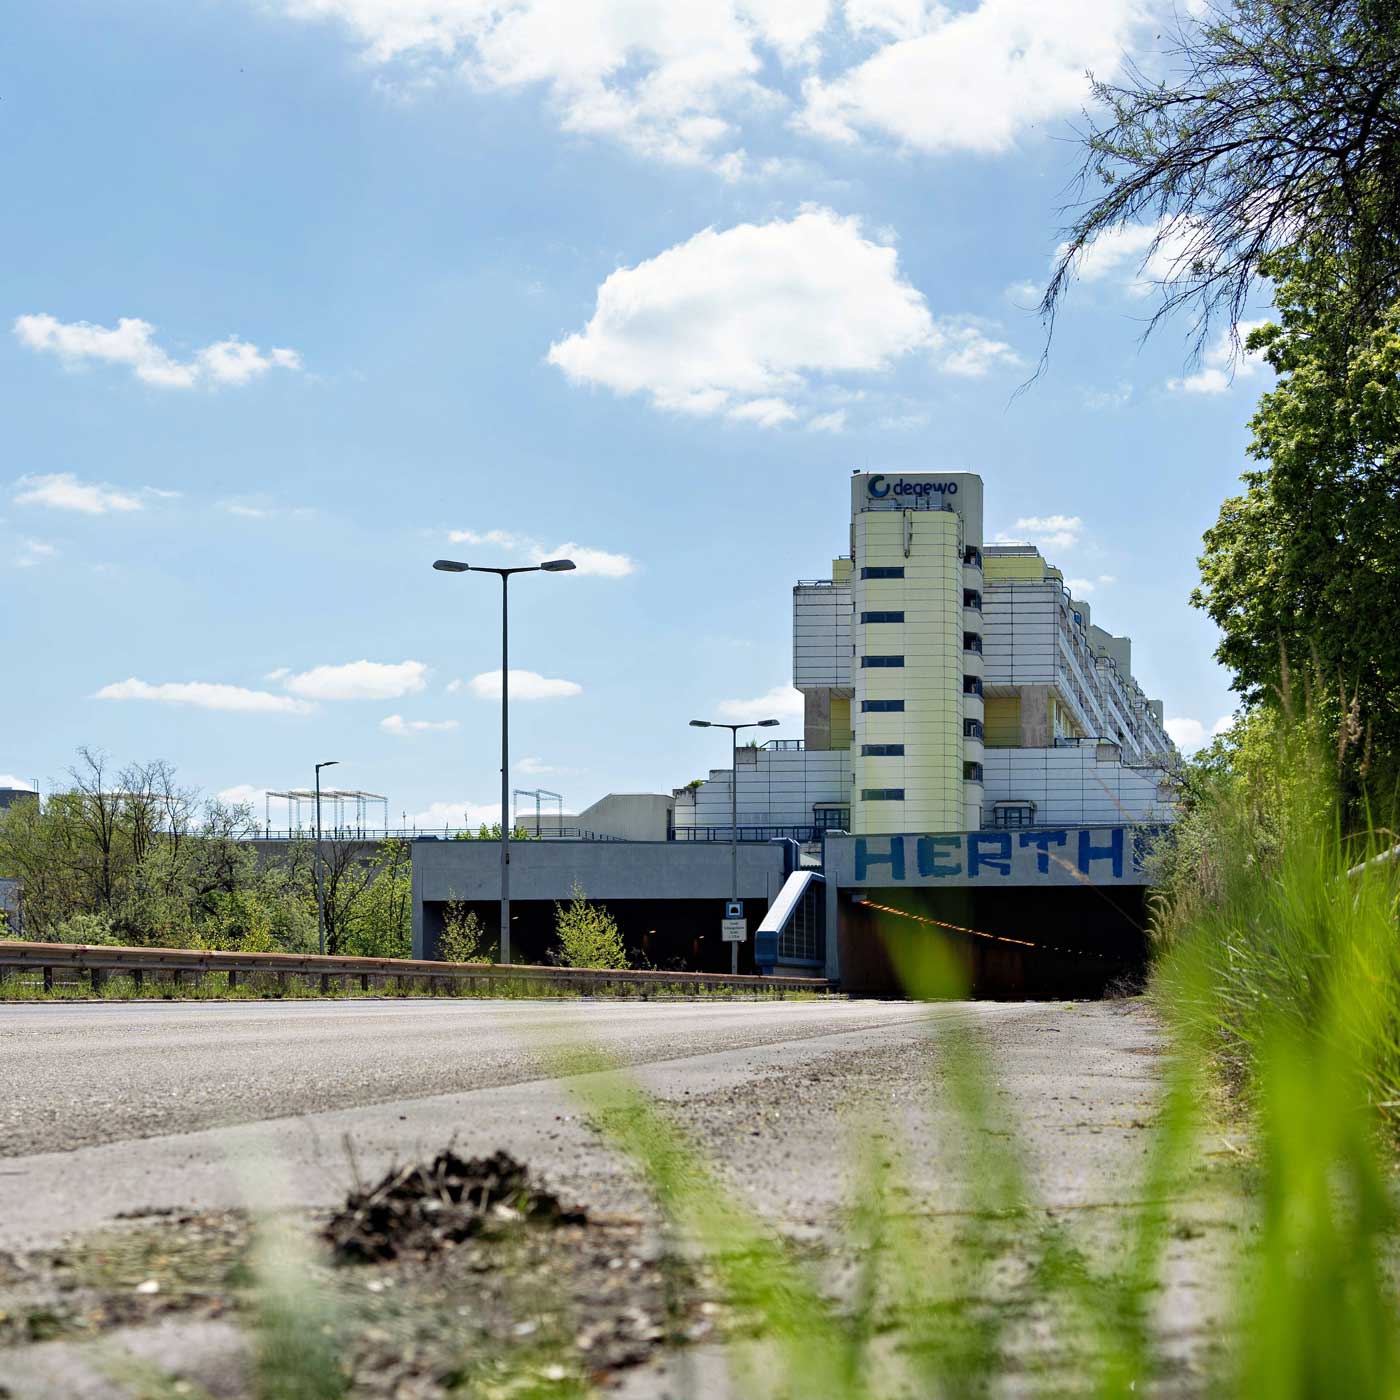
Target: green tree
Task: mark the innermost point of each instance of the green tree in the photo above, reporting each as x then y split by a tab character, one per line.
588	934
1303	568
379	924
1266	120
463	935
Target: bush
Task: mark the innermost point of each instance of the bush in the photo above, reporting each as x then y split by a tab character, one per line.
588	935
463	936
87	929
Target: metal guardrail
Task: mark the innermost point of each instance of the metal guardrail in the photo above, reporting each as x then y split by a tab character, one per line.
423	833
100	962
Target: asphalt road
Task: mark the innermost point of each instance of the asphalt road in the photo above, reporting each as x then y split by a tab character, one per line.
120	1109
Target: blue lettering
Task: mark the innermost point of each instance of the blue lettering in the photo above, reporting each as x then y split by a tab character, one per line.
894	858
989	848
1113	851
1042	841
878	486
930	856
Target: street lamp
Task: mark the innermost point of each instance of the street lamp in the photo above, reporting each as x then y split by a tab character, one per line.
320	889
733	805
549	566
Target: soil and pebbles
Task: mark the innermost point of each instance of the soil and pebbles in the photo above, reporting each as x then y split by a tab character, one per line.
450	1276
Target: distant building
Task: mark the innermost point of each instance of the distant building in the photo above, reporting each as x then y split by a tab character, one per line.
10	795
948	685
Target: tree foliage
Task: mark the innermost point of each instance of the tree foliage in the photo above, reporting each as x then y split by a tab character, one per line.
1304	566
1275	119
129	856
588	934
464	936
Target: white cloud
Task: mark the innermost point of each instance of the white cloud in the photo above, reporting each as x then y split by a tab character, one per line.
1125	253
600	563
538	768
662	78
782	702
686	81
1080	587
260	508
970	78
131	343
524	685
1190	734
454	815
1101	400
740	321
32	553
8	780
1223	364
241	795
1048	531
205	695
834	422
63	491
1025	295
359	680
406	728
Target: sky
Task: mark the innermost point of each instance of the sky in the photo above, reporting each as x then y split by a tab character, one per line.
299	295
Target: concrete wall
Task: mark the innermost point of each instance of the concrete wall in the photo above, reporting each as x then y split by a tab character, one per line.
631	816
633	870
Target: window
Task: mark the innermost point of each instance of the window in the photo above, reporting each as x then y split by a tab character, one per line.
882	707
972	642
882	617
972	598
972	729
831	818
1014	814
882	794
882	750
972	685
882	661
973	556
882	571
972	772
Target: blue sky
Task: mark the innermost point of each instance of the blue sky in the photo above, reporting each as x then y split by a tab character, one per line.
296	291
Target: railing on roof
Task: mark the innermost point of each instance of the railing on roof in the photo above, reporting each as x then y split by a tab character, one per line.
430	833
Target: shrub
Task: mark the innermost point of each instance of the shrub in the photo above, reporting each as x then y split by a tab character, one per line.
463	936
588	935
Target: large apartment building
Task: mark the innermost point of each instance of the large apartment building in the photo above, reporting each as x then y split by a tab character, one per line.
948	685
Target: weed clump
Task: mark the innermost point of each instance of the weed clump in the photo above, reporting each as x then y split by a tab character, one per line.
423	1209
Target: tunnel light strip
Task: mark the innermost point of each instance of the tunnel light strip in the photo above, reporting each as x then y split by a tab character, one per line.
979	933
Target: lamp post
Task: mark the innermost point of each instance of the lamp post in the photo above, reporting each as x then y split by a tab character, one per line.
733	805
320	881
549	566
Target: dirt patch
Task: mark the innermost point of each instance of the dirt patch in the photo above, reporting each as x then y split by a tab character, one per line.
421	1209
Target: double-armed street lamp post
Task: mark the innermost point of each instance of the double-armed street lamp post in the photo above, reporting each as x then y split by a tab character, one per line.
320	878
733	806
549	566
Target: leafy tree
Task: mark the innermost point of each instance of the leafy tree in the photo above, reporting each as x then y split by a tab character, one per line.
1275	119
463	935
380	923
588	934
1305	564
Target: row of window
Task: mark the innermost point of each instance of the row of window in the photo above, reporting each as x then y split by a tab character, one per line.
971	555
972	773
970	600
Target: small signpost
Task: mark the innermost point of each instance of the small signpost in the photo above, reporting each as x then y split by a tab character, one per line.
734	927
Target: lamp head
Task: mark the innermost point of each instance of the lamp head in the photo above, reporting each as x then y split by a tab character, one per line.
700	724
451	566
768	723
557	566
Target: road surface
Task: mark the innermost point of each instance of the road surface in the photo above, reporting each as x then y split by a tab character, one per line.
121	1108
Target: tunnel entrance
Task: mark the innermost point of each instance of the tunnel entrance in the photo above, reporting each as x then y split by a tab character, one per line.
1012	944
673	935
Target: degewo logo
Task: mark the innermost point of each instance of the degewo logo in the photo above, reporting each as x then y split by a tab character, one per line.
879	487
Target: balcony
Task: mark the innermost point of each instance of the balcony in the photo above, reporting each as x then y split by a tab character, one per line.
972	685
972	557
972	641
972	772
972	729
972	599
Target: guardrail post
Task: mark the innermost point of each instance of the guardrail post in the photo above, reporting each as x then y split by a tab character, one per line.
48	979
364	981
233	979
177	976
325	983
138	979
281	984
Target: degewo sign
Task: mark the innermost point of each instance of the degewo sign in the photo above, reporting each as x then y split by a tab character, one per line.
1070	855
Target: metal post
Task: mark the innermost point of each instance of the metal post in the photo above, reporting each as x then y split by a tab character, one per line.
734	833
505	770
320	891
